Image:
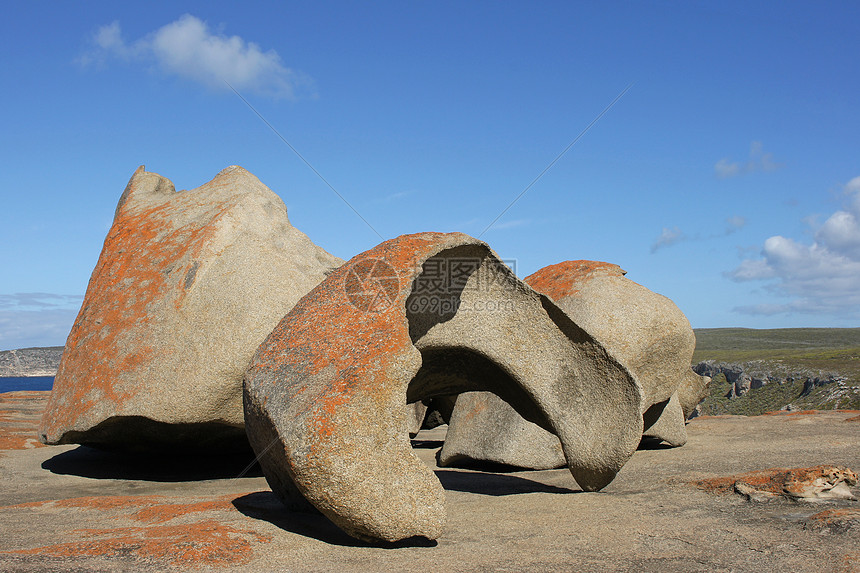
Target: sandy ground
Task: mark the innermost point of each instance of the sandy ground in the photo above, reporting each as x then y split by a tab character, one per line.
71	508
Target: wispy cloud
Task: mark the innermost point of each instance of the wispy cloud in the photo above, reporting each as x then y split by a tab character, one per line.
25	328
39	301
397	196
674	235
667	238
821	277
758	160
188	49
36	319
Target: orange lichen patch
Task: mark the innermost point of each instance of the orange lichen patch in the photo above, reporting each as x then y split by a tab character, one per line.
166	512
205	543
790	413
20	413
854	419
201	542
565	279
833	515
102	503
778	480
158	509
479	406
851	562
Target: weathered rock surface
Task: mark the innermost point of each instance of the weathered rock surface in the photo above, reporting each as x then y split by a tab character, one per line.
325	394
823	482
187	286
415	414
73	508
42	361
517	442
644	330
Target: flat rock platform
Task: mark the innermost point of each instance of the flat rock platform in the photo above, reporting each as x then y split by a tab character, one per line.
73	508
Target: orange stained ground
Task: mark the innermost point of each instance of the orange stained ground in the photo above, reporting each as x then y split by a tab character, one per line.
20	413
205	541
773	480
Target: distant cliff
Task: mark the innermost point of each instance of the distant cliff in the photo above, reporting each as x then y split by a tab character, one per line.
30	361
754	387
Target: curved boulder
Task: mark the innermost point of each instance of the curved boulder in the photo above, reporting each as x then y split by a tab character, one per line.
416	317
645	331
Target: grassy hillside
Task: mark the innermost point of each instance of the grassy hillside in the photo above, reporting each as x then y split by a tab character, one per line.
793	353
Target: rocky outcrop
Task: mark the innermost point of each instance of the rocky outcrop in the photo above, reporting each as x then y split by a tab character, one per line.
24	362
187	286
744	377
816	483
415	317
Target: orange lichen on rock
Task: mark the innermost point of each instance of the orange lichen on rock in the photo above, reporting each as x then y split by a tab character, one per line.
854	419
780	481
839	514
204	543
790	413
20	413
561	280
158	509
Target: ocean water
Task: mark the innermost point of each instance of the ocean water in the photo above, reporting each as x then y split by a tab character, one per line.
14	384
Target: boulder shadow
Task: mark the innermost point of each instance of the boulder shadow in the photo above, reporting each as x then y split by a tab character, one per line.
265	506
651	443
426	444
486	483
88	462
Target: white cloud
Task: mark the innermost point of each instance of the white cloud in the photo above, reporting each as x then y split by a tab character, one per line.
673	236
188	49
39	300
758	161
822	277
725	168
735	223
26	328
667	238
36	319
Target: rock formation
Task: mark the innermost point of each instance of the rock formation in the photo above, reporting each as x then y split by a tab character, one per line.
30	361
415	317
645	331
187	286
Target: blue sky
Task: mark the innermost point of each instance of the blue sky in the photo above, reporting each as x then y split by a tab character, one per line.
727	177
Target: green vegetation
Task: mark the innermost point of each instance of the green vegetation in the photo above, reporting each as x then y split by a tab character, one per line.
796	353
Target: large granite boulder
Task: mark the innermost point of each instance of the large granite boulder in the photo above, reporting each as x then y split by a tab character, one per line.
645	331
415	317
187	286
